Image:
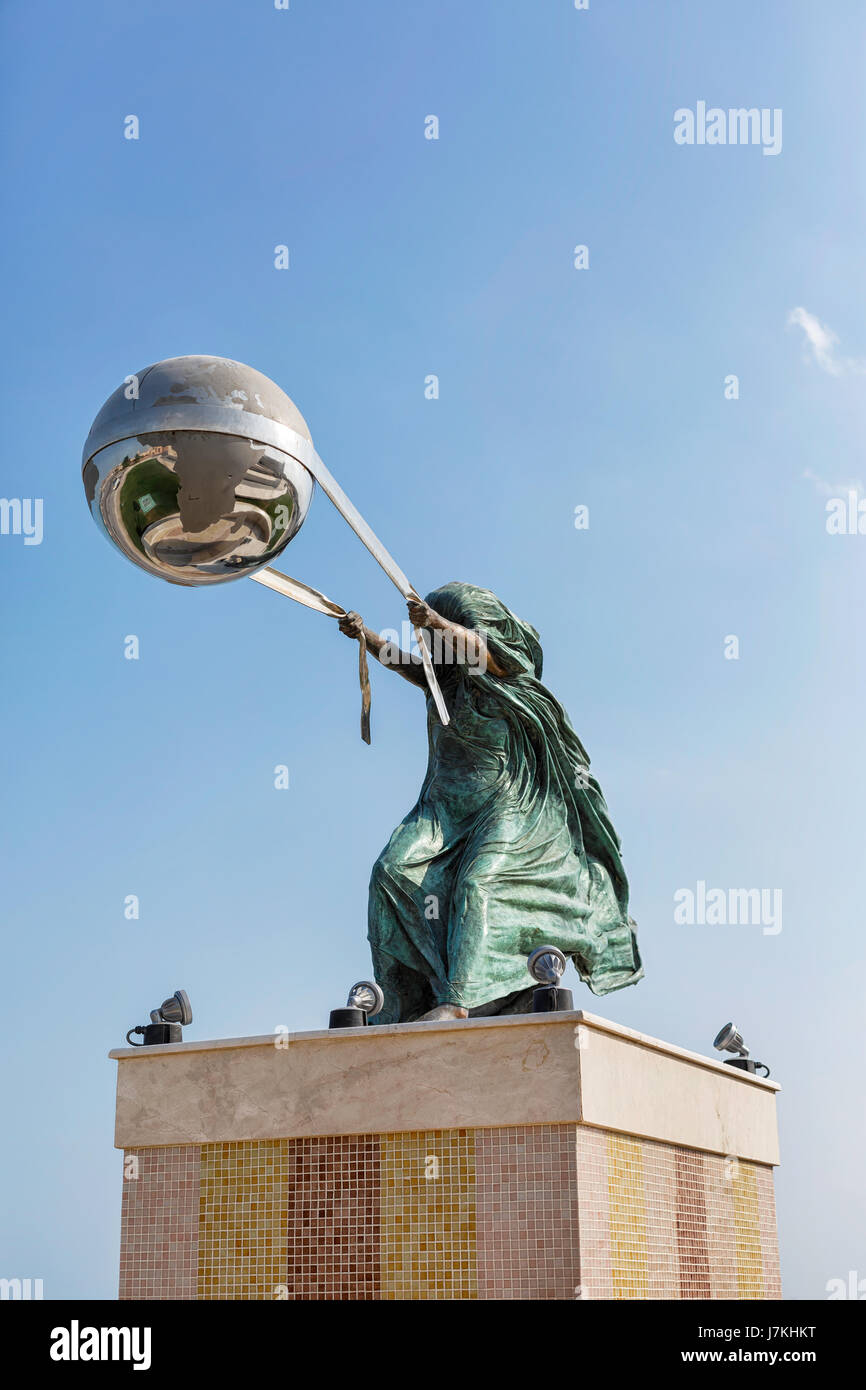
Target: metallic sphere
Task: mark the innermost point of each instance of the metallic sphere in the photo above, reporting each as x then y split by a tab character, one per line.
194	468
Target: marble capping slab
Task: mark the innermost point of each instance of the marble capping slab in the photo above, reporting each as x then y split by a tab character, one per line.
528	1069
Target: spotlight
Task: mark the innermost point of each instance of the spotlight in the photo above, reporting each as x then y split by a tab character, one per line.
166	1022
547	966
730	1039
364	998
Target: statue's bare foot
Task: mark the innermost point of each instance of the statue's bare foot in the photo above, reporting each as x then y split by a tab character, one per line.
443	1011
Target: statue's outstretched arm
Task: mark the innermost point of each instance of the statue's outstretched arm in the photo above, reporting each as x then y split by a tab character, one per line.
464	646
388	654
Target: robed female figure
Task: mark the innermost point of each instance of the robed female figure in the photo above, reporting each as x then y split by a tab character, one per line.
509	846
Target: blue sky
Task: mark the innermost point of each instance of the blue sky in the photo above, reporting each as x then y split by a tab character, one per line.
559	387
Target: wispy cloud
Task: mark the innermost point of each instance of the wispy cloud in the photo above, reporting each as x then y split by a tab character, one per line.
833	489
821	343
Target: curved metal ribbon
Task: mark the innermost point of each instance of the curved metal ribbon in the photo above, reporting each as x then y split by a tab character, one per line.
320	603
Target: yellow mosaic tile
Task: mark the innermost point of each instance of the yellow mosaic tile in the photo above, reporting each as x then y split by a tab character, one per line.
242	1241
750	1264
428	1215
628	1235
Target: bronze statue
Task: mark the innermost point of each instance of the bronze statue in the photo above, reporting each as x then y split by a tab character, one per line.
510	845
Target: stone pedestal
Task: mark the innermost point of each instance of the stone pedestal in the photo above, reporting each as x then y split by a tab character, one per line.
545	1156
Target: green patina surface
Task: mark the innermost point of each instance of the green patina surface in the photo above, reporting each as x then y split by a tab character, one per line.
510	845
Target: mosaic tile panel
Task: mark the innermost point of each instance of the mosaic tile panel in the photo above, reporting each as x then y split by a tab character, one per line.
334	1218
662	1210
526	1202
159	1224
750	1263
525	1212
721	1232
768	1231
428	1215
593	1215
628	1235
243	1235
693	1256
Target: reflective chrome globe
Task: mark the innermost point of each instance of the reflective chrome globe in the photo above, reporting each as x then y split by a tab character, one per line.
195	469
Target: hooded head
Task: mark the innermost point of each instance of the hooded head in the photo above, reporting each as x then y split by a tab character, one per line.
514	644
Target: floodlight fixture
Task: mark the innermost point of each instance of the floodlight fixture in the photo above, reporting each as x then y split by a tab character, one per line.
166	1022
546	965
730	1039
365	998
